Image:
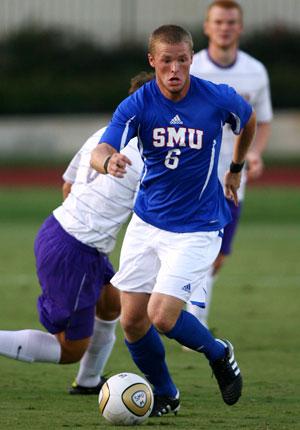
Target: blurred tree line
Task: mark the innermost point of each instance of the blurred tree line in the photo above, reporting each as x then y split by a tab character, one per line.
50	71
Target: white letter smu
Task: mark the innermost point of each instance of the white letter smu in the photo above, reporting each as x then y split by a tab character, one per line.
172	137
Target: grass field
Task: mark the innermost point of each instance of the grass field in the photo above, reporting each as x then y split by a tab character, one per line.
256	305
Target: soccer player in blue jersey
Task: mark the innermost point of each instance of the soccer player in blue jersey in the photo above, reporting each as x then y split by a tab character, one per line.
180	212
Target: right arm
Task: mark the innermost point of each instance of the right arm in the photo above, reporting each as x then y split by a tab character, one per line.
105	159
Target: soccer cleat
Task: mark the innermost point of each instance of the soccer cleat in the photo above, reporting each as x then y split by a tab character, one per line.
228	375
165	404
81	390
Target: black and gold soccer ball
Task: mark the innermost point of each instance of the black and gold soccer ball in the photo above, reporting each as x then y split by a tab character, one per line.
126	399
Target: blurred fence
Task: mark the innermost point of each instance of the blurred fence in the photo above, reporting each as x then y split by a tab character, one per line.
59	137
111	22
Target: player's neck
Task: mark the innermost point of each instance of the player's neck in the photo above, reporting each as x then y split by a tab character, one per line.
222	57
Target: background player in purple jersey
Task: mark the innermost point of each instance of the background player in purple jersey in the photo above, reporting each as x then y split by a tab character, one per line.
180	209
72	267
223	62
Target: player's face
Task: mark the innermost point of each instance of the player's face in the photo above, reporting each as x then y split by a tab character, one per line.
172	68
223	27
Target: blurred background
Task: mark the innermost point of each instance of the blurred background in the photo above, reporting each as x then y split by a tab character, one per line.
66	64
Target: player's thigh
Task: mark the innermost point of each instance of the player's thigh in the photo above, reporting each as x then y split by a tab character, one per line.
108	306
71	275
139	262
185	261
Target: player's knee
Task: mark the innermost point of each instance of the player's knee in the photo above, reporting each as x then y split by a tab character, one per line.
162	326
69	356
108	314
161	321
108	307
133	326
72	351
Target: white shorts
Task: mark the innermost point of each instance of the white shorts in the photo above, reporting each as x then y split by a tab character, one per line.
176	264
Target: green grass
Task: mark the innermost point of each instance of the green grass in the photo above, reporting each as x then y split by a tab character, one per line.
256	305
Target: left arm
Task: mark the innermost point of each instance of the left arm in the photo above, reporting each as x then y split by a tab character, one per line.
242	144
263	107
254	159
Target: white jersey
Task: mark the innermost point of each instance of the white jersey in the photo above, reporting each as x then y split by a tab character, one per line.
98	205
249	78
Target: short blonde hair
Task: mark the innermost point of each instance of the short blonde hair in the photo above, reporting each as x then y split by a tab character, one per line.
225	4
171	34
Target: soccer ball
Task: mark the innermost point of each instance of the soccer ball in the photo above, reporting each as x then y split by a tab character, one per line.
126	399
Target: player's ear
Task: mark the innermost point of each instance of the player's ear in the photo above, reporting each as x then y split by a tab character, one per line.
151	59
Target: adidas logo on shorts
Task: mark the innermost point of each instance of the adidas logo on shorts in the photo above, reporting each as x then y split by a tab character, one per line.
187	288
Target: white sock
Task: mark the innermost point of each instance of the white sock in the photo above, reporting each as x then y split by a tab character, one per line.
97	354
200	313
30	346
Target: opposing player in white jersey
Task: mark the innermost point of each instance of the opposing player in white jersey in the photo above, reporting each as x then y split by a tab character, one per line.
114	201
223	62
180	209
71	250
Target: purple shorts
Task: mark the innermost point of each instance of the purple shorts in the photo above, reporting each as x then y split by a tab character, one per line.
230	228
71	275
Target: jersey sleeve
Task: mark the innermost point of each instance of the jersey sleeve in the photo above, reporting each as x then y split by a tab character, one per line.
124	123
238	109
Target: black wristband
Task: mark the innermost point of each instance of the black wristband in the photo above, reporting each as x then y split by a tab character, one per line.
236	167
105	164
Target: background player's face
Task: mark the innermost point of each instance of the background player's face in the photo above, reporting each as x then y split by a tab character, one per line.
172	68
223	27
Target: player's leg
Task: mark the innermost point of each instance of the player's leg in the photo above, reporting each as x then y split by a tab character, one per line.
147	350
138	268
226	248
69	274
183	270
38	346
30	345
90	377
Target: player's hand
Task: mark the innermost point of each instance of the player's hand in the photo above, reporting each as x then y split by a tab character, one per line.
117	165
231	184
255	165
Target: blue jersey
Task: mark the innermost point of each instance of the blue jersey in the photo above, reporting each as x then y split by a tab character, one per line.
180	144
